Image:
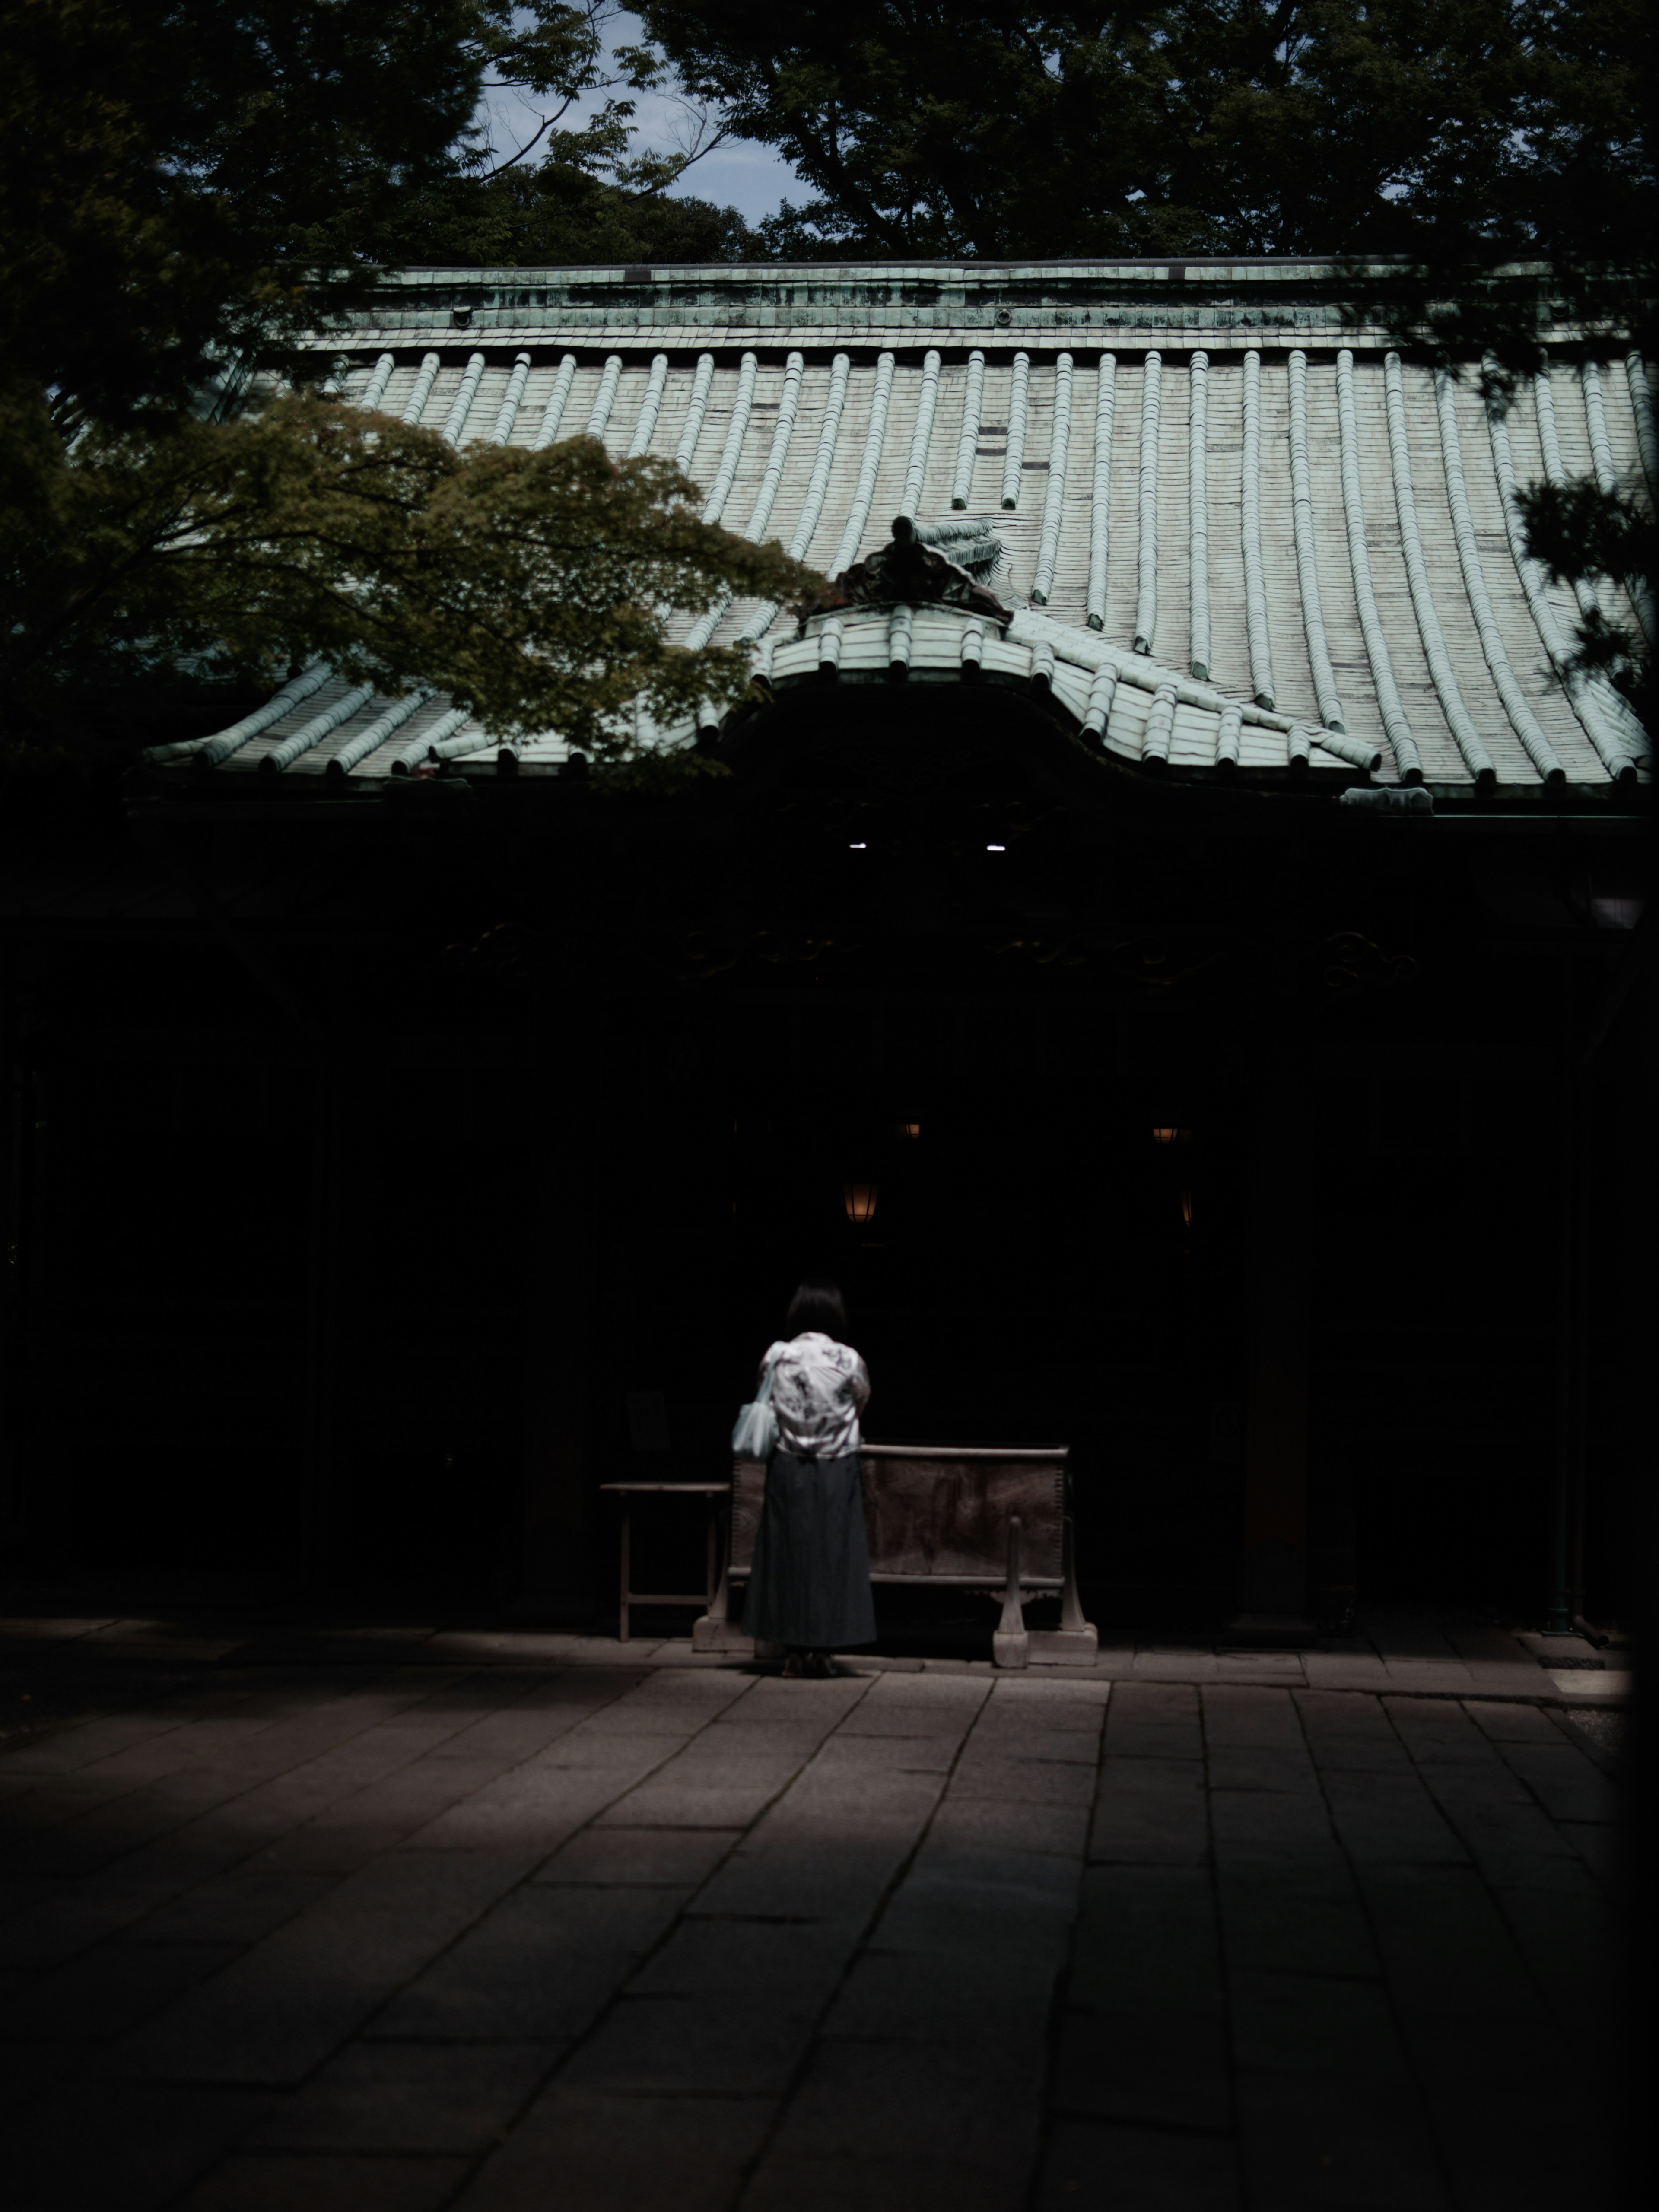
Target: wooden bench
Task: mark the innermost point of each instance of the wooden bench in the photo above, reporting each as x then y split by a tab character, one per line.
712	1494
944	1515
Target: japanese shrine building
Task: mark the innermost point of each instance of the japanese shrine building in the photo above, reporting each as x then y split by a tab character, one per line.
1198	1000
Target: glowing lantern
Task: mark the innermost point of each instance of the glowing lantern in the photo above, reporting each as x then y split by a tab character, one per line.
860	1199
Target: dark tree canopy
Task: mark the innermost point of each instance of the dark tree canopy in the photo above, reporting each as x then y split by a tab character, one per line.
169	165
956	127
187	182
556	214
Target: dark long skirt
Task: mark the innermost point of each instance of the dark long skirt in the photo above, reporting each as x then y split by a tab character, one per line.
810	1584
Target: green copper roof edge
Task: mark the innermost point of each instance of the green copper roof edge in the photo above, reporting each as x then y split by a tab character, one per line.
1161	268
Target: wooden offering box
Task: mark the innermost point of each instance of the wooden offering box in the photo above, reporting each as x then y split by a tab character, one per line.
991	1519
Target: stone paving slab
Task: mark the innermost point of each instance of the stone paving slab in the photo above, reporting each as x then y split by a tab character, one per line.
1340	2140
238	1908
1143	2037
604	2152
108	1989
1611	1686
540	1967
252	2184
291	2000
922	2183
1087	2164
68	1919
412	2097
550	1924
667	1858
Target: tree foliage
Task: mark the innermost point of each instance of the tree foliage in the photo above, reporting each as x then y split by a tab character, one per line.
557	214
573	191
188	185
169	165
187	182
535	587
978	127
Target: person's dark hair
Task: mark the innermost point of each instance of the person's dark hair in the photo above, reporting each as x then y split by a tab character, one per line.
818	1306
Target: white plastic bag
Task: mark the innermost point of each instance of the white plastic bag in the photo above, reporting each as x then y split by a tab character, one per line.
755	1429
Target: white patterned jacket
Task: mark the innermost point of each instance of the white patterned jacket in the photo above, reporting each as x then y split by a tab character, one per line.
818	1390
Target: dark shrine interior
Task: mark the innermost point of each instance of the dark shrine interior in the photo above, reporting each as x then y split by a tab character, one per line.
362	1237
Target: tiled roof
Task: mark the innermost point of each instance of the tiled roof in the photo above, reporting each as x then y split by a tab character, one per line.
1225	549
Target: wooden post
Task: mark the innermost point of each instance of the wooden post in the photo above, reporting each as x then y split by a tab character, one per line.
558	1213
1565	1595
1273	1571
319	1505
1566	1592
17	1119
1577	1226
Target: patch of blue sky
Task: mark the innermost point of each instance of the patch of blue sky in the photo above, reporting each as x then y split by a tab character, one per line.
732	173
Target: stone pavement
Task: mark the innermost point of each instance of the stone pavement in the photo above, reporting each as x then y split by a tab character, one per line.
617	1932
1408	1652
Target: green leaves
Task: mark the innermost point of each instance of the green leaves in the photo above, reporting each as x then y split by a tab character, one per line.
186	186
1576	528
537	588
541	48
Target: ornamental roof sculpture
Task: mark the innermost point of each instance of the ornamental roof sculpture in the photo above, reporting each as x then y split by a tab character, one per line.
917	567
1221	533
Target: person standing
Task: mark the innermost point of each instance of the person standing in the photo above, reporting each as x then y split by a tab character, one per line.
809	1587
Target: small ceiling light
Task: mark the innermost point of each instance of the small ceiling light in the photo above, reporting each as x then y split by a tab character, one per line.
858	848
1171	1136
860	1199
996	848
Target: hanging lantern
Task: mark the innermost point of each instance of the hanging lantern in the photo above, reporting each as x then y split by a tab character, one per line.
1171	1136
909	1128
860	1199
